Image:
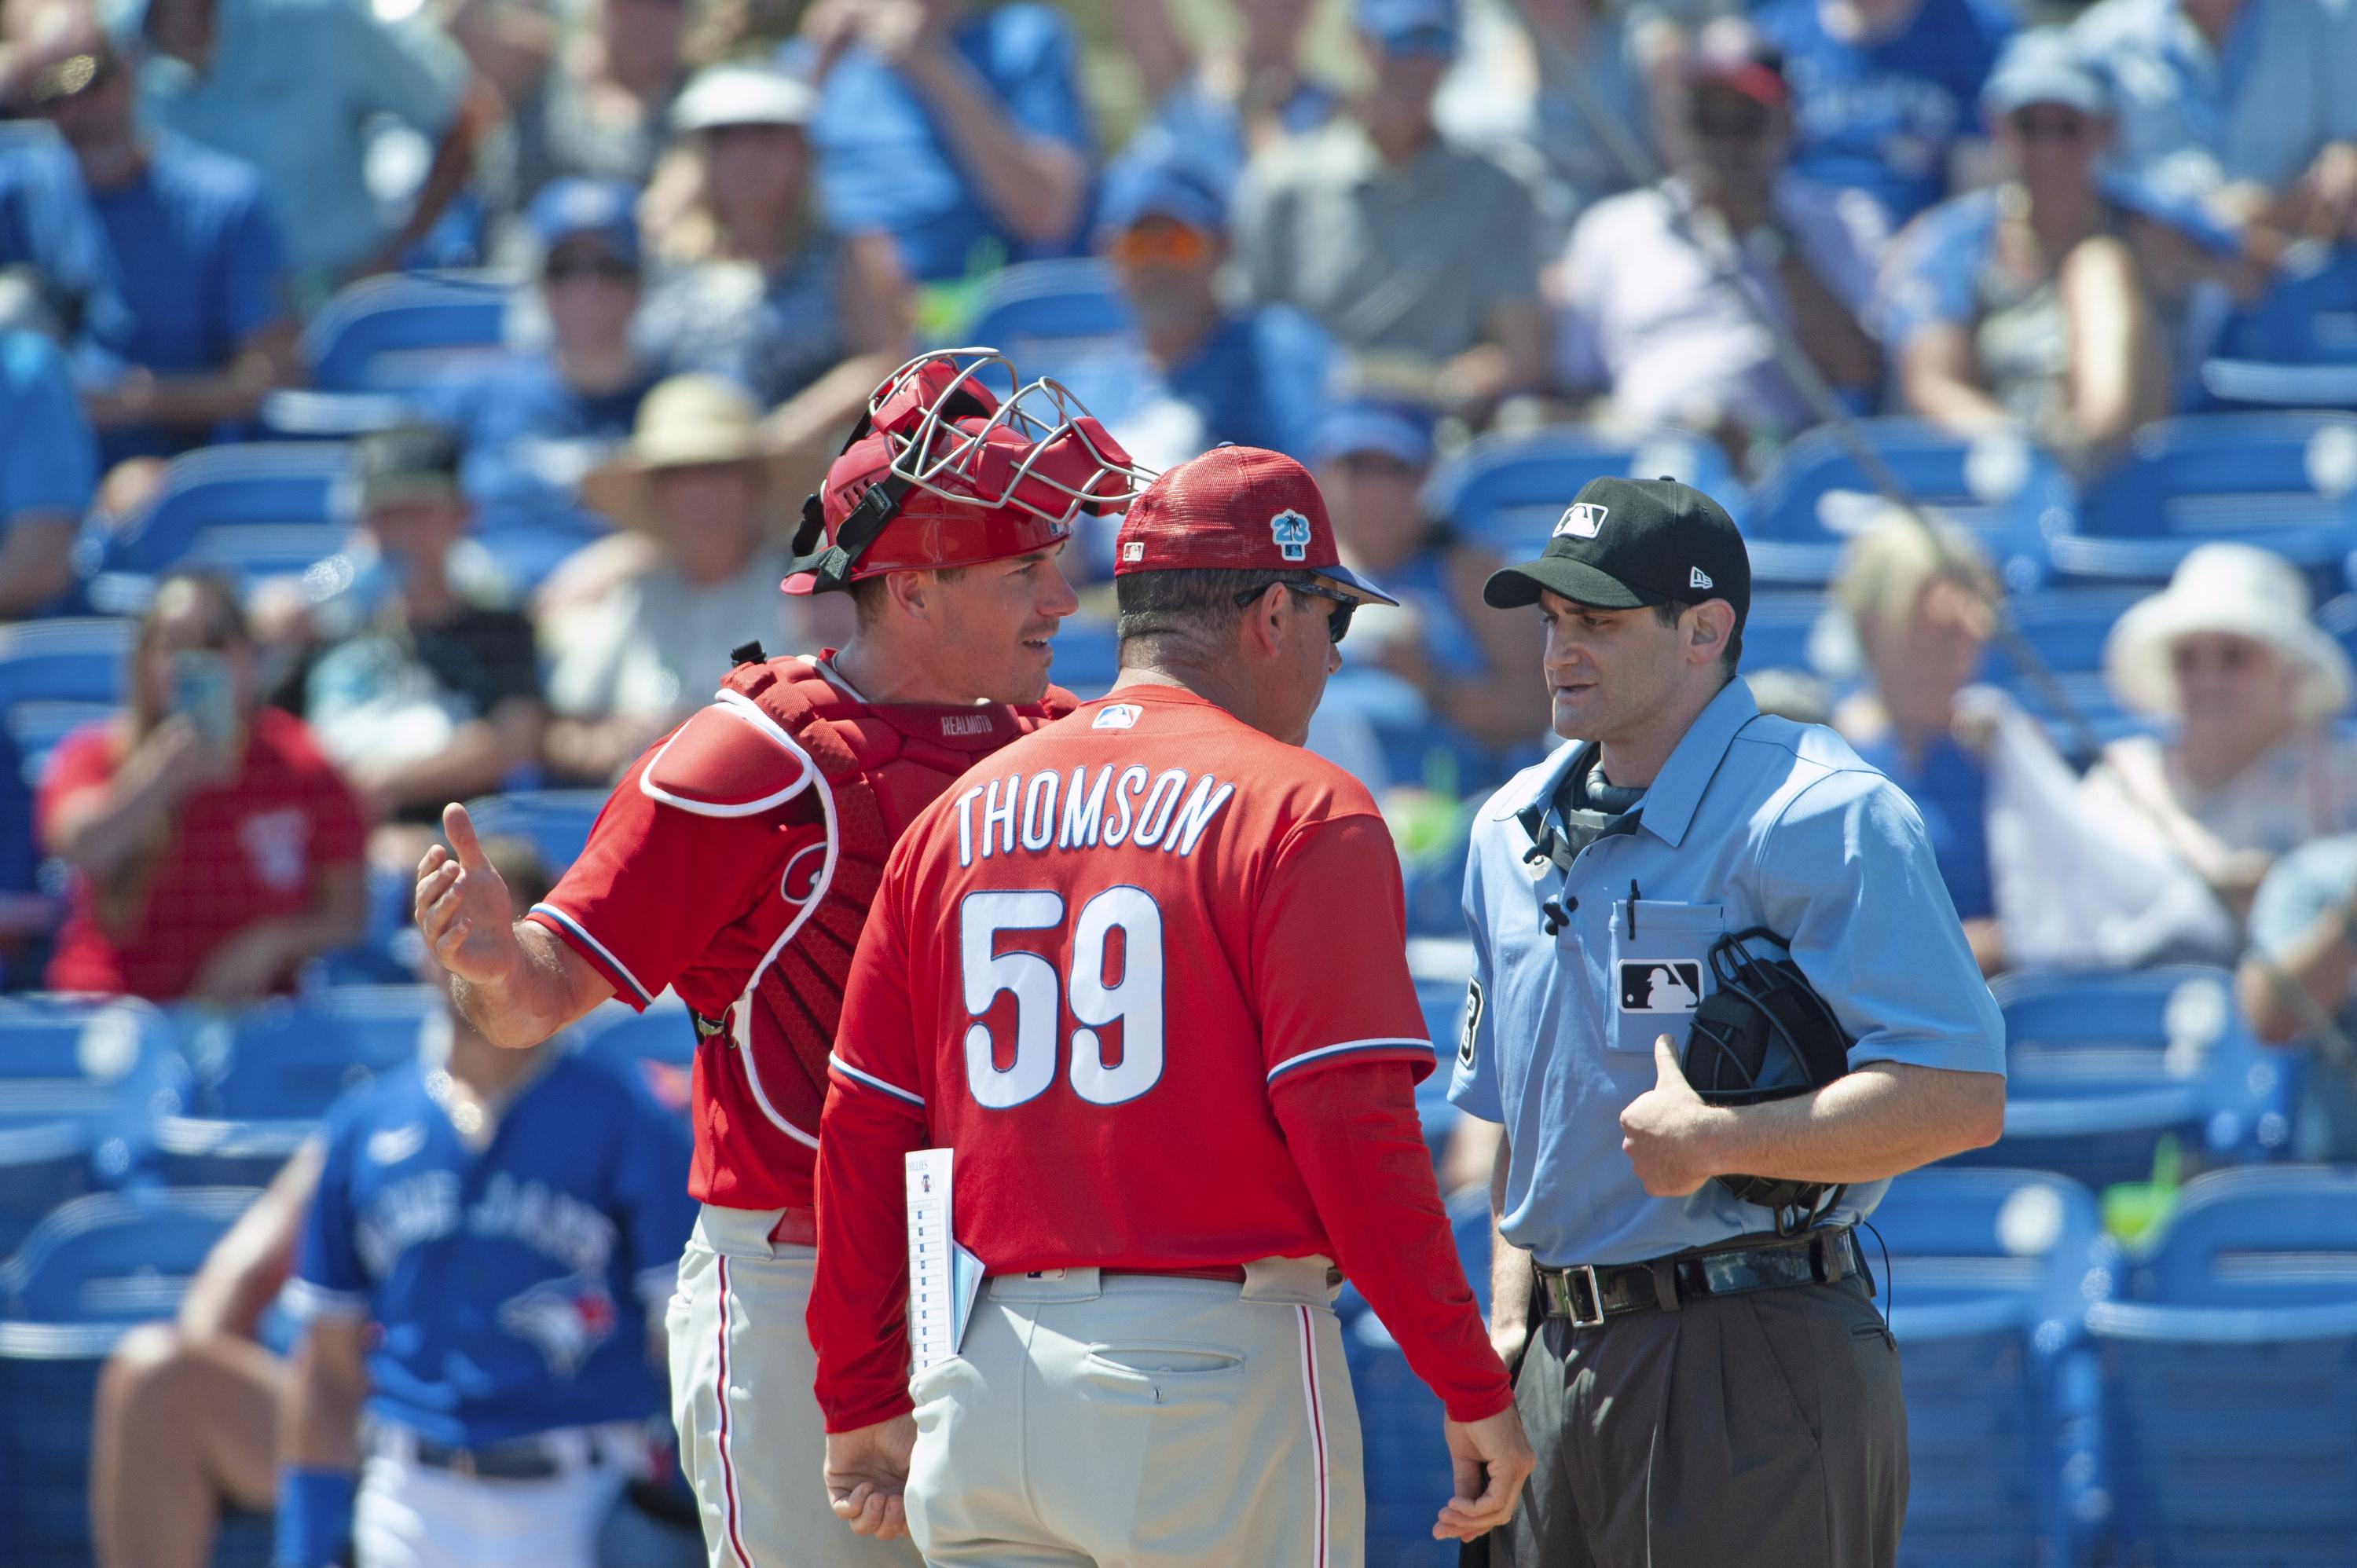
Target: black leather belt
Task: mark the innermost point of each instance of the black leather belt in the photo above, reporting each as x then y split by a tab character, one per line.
523	1459
1589	1294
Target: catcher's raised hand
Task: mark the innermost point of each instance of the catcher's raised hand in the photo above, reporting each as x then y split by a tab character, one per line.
463	909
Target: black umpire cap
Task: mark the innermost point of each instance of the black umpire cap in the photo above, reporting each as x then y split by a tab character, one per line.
1626	543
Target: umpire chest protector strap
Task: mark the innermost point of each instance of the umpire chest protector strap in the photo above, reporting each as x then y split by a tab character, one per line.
783	738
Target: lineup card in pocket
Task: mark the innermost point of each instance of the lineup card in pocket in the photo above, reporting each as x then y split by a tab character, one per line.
943	1277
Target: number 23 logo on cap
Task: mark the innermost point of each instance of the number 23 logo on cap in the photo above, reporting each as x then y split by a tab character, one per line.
1291	532
1581	520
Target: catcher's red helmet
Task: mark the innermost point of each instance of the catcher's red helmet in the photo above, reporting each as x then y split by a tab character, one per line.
945	471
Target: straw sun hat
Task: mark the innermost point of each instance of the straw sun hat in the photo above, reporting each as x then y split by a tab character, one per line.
687	422
2239	590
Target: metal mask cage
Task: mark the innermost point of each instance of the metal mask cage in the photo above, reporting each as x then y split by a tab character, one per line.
950	455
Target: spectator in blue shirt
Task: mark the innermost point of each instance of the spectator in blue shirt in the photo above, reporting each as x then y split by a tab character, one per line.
194	252
1252	376
1884	91
2244	103
956	128
49	468
1402	243
2304	929
295	88
1920	603
1470	669
533	427
2047	301
1217	106
762	291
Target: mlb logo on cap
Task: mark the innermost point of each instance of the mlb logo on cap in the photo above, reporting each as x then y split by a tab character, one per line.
1235	509
1581	520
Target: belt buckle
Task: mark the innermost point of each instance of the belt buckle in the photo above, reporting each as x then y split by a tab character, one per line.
1594	1294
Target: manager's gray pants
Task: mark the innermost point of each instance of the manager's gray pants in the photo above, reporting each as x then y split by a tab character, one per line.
1764	1430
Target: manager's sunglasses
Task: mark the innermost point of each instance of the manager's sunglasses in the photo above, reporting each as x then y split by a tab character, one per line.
1337	619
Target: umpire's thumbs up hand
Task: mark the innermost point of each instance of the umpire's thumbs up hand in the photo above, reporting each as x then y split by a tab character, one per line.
1666	1131
462	906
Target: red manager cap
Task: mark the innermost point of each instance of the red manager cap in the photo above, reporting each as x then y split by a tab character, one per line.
1235	509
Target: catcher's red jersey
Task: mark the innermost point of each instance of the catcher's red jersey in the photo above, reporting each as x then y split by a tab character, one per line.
1093	958
734	863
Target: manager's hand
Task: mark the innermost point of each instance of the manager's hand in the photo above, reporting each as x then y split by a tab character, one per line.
866	1472
1667	1130
1492	1458
462	906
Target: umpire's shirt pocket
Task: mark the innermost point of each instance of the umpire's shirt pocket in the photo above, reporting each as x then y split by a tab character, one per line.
1660	970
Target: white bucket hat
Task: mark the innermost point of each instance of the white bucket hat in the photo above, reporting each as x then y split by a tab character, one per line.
2240	590
741	94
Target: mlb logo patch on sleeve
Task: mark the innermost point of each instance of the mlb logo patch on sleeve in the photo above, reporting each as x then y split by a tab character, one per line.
1660	985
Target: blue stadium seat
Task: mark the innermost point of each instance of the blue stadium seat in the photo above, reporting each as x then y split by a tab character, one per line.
1035	301
82	660
2229	1361
1509	491
245	510
89	1271
1988	1277
35	729
107	1066
1067	320
1443	1001
2105	1064
1780	631
2339	617
404	332
556	822
2008	494
2066	629
1407	1467
2297	347
57	675
42	1165
2285	482
264	1078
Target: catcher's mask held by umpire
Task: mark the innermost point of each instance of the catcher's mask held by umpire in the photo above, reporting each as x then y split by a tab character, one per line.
954	462
1764	1033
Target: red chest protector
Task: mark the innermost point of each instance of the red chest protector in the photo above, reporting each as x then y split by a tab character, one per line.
870	768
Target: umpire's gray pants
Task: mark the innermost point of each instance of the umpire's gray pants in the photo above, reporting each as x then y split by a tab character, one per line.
1764	1429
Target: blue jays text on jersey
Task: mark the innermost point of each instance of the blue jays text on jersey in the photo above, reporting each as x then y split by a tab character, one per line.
508	1285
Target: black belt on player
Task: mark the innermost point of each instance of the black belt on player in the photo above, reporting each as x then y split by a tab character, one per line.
1588	1293
521	1459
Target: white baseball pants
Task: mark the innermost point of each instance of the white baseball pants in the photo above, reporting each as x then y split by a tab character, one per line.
751	1442
1143	1422
410	1515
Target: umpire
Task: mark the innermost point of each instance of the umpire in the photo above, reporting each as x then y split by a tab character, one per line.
1709	1381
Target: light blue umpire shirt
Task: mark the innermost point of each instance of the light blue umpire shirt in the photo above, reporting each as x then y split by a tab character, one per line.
1754	820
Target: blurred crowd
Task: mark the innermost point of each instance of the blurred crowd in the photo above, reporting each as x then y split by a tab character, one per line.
1360	232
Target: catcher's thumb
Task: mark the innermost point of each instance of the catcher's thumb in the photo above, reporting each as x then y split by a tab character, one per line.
1665	1063
459	829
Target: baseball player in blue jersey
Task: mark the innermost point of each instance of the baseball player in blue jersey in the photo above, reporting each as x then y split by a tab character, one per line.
474	1274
